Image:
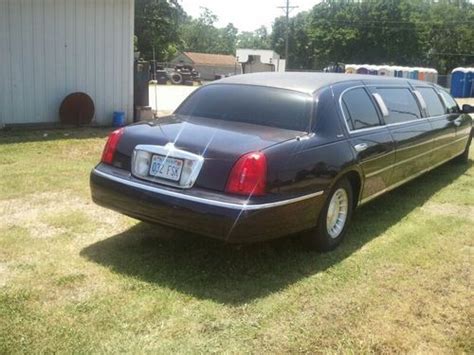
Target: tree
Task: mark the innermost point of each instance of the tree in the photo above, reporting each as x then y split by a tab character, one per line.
258	39
156	26
201	35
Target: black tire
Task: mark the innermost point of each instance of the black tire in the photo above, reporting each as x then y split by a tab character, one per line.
176	78
319	237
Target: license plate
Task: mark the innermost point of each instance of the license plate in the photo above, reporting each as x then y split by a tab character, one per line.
166	167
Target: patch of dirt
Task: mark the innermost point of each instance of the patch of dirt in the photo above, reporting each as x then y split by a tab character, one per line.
29	211
449	209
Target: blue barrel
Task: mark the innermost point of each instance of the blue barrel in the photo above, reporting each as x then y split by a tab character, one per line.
458	82
119	119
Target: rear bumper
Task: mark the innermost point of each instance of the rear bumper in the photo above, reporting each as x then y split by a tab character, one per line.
203	212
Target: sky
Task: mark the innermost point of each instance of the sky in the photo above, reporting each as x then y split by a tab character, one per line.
246	15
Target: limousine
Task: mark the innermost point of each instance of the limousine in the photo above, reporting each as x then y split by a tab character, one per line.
265	155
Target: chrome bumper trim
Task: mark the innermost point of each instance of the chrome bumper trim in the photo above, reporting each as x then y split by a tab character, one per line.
216	203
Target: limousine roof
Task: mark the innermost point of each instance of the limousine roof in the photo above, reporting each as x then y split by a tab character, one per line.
307	82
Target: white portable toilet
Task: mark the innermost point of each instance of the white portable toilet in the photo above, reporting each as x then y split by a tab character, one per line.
384	70
351	68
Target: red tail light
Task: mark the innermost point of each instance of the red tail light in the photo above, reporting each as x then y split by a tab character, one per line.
249	175
111	146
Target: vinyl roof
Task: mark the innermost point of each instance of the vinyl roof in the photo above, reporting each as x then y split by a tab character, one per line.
306	82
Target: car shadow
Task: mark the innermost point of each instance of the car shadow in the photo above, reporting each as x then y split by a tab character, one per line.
209	269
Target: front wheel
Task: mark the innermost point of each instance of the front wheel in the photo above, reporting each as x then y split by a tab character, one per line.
333	219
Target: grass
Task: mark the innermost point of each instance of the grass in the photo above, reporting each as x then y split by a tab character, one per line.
78	278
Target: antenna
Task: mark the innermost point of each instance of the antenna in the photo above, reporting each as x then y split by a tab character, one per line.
287	8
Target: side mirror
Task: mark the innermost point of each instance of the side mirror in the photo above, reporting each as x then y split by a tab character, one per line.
467	108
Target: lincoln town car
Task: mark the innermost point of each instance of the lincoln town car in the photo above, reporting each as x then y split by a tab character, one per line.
260	156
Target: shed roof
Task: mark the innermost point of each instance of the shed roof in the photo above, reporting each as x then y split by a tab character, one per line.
211	59
306	82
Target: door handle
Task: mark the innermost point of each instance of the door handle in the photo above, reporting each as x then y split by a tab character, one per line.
361	147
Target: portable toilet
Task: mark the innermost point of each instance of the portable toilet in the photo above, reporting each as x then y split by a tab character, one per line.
469	87
363	69
351	68
384	71
398	72
373	69
421	73
406	72
435	76
458	82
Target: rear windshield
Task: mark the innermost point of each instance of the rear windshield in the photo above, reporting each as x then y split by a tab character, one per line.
250	104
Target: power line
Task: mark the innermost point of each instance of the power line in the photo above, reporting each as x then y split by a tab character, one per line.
287	8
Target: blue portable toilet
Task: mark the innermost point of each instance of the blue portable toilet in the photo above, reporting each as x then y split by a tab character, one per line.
459	82
469	87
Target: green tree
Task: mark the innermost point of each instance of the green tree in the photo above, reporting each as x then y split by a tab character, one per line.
258	39
157	25
201	35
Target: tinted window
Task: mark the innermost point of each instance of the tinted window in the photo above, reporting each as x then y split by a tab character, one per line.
451	104
401	105
359	111
250	104
434	105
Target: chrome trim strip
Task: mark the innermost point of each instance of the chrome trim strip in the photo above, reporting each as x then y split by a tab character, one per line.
415	156
236	206
394	186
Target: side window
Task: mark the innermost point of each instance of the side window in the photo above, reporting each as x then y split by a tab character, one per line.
434	106
401	105
451	105
359	111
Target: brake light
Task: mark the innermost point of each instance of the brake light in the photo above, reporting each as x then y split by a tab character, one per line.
111	146
249	175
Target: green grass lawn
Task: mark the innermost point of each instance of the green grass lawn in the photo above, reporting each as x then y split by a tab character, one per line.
75	277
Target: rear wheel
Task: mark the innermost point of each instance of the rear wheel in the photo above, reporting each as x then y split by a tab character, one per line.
333	219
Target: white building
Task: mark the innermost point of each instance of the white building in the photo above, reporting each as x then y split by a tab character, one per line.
260	60
52	48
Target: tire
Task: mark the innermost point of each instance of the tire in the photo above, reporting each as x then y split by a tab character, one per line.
464	157
322	238
176	79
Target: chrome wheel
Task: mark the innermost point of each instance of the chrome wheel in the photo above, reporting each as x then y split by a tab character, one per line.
337	213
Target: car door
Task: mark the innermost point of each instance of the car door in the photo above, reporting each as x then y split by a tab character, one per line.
411	132
443	124
371	141
461	122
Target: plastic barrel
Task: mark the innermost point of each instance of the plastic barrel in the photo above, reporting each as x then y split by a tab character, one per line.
118	119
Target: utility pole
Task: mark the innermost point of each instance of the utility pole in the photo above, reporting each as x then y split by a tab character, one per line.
287	10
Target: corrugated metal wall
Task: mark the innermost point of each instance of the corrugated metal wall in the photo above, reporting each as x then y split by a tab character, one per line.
51	48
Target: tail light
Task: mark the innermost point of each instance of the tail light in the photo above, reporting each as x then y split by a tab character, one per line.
111	146
249	175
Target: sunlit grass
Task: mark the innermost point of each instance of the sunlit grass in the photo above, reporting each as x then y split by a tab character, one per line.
78	278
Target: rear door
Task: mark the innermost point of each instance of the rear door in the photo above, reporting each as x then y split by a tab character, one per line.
410	131
371	141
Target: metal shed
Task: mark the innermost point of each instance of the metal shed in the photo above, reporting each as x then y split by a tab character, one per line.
51	48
